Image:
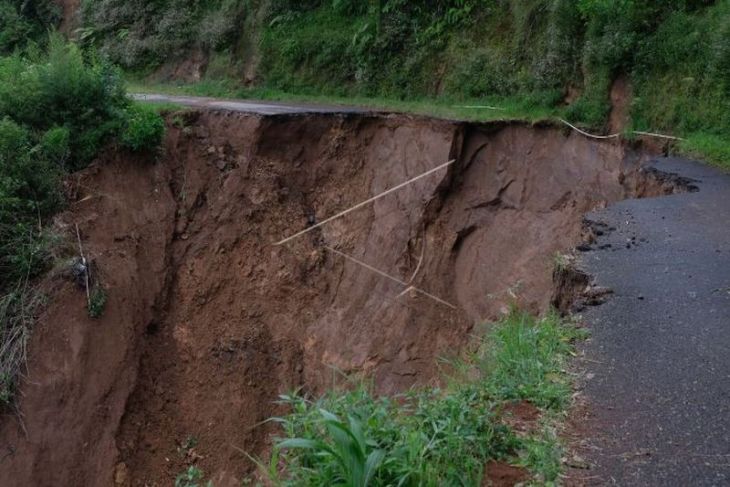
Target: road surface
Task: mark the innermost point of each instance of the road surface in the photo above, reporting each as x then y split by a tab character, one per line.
658	362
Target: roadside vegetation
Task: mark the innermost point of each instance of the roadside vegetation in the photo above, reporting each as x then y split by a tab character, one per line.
558	57
439	436
58	108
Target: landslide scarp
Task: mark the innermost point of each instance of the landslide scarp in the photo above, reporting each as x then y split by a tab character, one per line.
208	321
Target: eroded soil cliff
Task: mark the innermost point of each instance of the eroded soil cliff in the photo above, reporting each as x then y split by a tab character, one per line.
208	321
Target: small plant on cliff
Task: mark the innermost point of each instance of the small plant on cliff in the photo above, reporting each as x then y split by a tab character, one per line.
144	128
97	302
192	477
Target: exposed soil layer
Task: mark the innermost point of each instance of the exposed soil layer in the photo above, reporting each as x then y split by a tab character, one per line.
500	474
207	321
620	104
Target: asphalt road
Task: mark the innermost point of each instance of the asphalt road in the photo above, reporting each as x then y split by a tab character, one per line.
658	362
248	106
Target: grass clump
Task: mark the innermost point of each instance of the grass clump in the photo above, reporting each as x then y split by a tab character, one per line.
440	436
144	128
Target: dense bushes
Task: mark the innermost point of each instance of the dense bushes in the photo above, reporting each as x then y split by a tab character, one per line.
22	22
57	110
138	33
677	53
59	89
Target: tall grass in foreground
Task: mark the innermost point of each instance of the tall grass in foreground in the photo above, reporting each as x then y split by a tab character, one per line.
434	437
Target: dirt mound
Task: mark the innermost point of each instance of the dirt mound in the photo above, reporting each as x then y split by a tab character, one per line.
69	15
620	96
207	321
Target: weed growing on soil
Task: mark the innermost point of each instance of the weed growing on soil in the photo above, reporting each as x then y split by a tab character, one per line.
192	477
97	302
554	55
144	128
441	436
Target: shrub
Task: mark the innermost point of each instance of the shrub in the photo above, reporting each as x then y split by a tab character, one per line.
60	88
144	128
55	144
192	477
57	109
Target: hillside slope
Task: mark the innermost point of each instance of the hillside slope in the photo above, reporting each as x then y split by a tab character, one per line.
671	60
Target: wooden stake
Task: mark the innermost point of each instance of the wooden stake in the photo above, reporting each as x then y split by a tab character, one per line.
86	265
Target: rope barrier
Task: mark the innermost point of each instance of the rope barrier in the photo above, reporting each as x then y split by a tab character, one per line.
612	136
388	276
364	203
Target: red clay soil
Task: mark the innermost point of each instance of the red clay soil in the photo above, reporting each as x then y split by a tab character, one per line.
500	474
521	417
207	321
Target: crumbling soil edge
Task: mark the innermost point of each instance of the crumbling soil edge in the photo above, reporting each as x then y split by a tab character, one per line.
577	289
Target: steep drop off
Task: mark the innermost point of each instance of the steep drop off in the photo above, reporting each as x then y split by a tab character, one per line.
207	321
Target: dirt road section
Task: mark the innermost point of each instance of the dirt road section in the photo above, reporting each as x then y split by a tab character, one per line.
208	321
659	358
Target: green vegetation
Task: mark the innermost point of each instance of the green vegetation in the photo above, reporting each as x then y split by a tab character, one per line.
23	22
139	33
676	54
442	436
144	128
58	109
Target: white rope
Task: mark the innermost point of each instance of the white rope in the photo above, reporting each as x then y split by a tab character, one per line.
661	136
364	203
486	107
388	276
612	136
